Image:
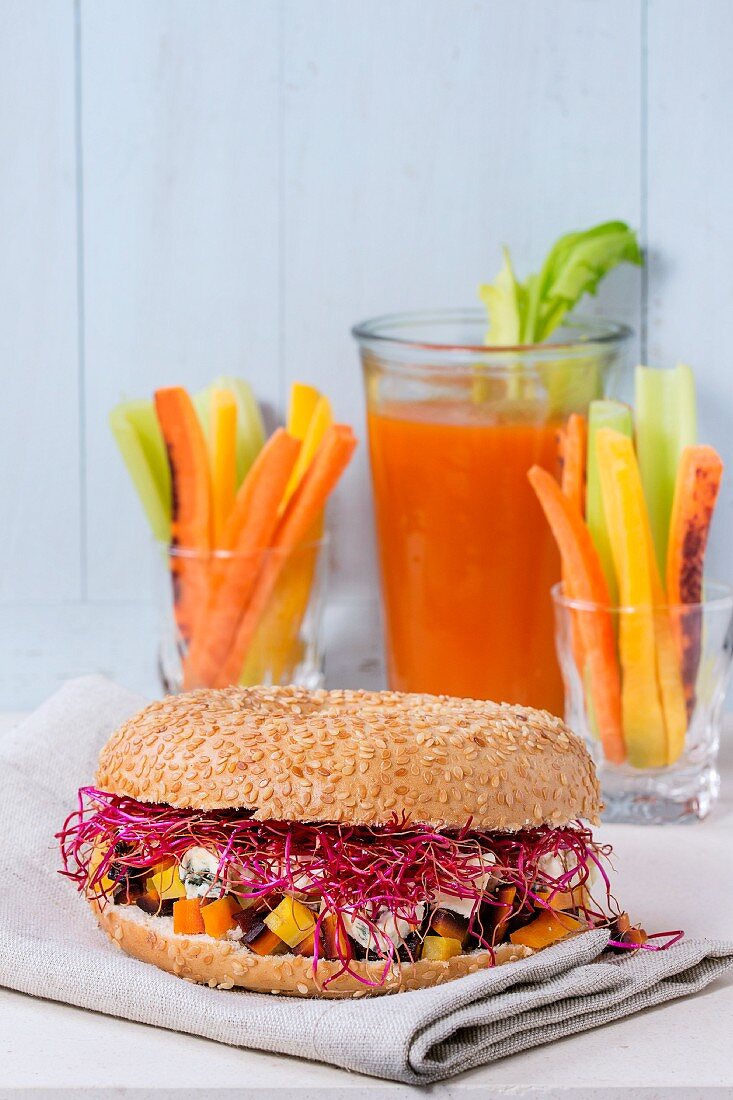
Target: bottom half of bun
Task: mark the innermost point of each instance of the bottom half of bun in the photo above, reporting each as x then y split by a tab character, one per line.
224	964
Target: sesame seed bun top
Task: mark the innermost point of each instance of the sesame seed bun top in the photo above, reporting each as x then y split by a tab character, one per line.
354	757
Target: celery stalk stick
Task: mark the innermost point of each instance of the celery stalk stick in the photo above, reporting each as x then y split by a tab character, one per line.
137	433
686	411
603	414
202	405
666	421
144	419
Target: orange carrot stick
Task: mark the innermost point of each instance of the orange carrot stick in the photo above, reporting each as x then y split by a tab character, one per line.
574	441
306	503
573	468
248	531
191	499
585	581
696	491
223	459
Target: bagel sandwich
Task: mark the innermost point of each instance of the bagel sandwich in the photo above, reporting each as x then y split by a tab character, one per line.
338	843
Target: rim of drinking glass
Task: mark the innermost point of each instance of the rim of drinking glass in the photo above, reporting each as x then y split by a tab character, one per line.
379	332
722	601
175	551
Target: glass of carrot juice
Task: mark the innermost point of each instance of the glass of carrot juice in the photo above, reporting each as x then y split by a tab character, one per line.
467	561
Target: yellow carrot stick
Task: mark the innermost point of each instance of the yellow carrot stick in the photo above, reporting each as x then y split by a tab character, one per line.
306	505
668	669
303	401
274	651
623	504
256	513
671	691
223	448
319	423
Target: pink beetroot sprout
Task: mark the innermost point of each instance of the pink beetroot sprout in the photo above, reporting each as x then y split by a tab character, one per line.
348	870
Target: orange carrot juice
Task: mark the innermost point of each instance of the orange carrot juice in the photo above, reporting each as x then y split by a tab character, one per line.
467	559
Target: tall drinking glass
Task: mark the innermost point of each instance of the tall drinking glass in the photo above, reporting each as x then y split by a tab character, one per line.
467	559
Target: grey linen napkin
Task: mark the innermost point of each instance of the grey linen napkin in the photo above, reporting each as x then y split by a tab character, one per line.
50	945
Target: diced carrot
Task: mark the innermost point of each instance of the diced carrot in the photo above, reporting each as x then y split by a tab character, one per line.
191	502
586	581
305	506
334	941
306	946
444	922
576	898
696	492
501	913
267	943
573	467
223	437
248	532
547	928
218	916
187	917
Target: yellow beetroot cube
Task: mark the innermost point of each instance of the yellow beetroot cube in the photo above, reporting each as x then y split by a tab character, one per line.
166	881
291	921
440	948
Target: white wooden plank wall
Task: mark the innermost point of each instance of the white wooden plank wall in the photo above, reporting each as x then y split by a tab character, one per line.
190	189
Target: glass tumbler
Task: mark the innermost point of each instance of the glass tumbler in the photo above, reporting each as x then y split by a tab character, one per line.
228	617
467	559
670	772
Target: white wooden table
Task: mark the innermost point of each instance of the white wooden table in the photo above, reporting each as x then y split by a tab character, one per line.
667	877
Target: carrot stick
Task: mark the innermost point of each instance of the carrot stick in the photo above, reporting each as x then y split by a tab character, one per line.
281	447
650	673
574	443
573	468
223	459
696	491
586	581
247	533
275	650
191	502
331	459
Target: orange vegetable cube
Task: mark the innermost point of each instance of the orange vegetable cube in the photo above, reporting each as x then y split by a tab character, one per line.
547	928
306	946
218	916
187	917
267	943
335	940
